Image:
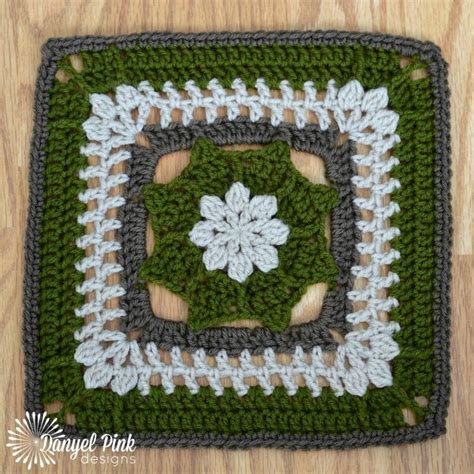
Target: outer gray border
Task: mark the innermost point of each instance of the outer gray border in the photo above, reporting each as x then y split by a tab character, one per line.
166	333
434	423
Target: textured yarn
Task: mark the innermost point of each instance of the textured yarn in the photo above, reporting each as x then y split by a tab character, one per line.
365	356
216	297
239	233
166	334
282	418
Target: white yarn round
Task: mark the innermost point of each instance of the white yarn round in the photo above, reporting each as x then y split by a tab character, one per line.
113	360
239	233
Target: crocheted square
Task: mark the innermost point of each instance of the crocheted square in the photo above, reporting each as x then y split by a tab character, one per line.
240	235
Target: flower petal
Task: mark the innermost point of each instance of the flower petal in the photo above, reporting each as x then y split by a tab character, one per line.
275	232
103	106
124	380
89	352
98	375
128	97
375	99
233	247
384	347
379	372
212	208
202	233
263	207
265	257
356	381
231	218
250	235
350	96
237	198
97	129
240	267
221	239
215	257
384	121
245	217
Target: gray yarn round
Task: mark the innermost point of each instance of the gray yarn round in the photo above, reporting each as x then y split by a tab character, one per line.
133	215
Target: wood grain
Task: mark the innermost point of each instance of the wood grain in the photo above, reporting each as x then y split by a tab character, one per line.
25	25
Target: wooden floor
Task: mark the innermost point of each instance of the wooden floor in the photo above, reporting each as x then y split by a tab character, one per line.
25	25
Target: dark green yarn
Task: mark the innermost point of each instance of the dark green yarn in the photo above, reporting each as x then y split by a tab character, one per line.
59	250
105	70
103	410
413	368
256	412
213	297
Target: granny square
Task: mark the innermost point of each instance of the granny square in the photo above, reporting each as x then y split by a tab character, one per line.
240	235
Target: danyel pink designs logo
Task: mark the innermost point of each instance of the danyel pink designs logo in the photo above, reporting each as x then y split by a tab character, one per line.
27	441
37	438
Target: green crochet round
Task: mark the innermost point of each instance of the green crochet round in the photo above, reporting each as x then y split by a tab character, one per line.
213	297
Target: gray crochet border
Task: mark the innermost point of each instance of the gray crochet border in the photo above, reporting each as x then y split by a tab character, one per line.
133	215
435	422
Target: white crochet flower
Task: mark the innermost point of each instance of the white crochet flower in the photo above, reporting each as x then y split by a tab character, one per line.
239	232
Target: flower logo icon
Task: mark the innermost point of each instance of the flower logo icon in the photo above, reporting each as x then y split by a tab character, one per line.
27	440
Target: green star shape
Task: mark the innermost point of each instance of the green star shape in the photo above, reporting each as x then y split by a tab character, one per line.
213	297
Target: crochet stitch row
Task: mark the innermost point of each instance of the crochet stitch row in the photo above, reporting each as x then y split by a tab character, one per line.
112	125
